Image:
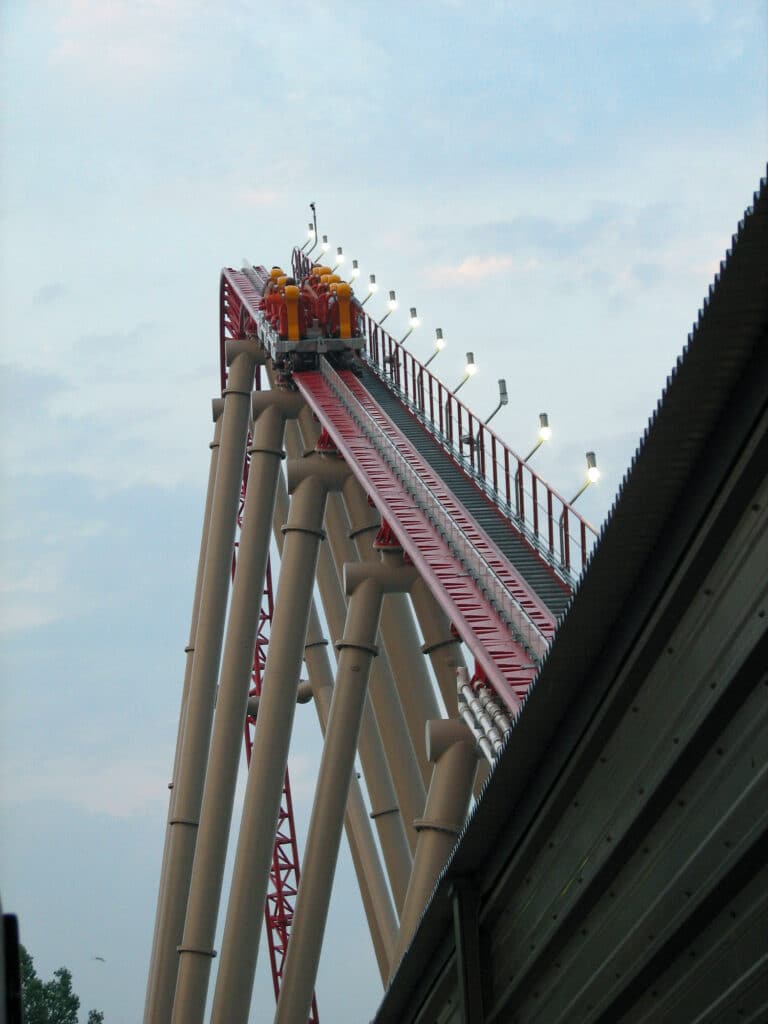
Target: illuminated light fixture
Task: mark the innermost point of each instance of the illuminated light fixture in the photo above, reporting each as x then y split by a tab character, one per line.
391	306
469	371
354	273
413	322
372	288
503	399
339	259
439	345
545	434
593	475
324	244
310	236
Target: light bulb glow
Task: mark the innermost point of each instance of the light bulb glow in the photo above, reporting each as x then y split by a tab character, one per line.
471	367
392	302
324	244
339	255
414	320
355	272
593	473
311	231
440	344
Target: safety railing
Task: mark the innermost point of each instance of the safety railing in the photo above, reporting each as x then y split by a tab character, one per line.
560	535
524	631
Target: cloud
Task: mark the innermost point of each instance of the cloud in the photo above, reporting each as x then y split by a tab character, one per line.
106	417
116	39
473	268
259	197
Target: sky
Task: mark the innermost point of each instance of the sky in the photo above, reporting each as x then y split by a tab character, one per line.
553	185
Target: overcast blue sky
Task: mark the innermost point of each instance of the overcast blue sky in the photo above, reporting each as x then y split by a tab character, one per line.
554	185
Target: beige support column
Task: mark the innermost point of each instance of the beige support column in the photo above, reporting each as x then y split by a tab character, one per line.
441	645
452	749
385	808
400	639
366	585
188	786
403	767
414	684
217	408
389	718
374	892
309	481
270	411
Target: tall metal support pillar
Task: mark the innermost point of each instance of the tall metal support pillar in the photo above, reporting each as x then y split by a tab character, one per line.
404	649
347	541
441	644
350	539
401	642
270	411
377	903
366	585
382	922
453	751
185	814
218	407
309	481
385	808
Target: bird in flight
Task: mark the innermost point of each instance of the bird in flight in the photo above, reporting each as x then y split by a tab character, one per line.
99	958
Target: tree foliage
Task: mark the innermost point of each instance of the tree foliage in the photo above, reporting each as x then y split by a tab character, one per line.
50	1002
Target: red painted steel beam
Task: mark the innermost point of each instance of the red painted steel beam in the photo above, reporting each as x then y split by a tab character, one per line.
507	665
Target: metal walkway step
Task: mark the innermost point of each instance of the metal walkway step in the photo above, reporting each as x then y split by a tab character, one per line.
551	590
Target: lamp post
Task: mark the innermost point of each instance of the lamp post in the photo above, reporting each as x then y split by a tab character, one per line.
545	434
439	345
372	288
339	259
310	237
413	322
391	306
469	371
313	226
593	475
503	400
354	273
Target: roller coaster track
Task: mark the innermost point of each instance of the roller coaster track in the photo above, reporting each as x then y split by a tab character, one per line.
499	546
498	549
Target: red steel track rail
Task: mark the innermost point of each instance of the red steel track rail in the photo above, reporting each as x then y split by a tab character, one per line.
509	662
